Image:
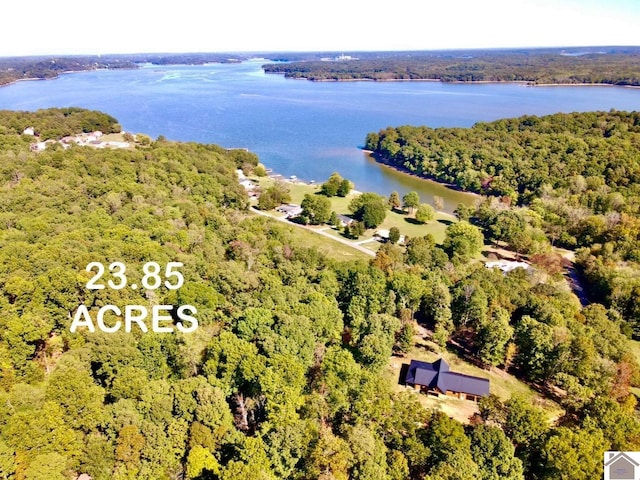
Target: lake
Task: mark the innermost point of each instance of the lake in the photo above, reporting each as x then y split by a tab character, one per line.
297	127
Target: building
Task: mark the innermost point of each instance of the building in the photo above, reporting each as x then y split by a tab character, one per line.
435	378
290	210
345	220
507	265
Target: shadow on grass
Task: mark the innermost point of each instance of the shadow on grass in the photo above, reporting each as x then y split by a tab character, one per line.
445	221
412	221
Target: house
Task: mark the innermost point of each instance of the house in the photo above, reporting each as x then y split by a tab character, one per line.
290	210
41	146
248	184
345	220
435	378
620	466
29	131
240	173
507	265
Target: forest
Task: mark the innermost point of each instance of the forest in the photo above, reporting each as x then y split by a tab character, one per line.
570	180
608	65
283	378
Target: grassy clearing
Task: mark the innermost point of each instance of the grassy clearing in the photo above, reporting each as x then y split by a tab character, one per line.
334	250
502	384
112	137
340	205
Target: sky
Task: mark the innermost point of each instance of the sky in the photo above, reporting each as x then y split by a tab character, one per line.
46	27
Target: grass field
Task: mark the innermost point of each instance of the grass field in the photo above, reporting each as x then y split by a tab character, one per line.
340	205
336	251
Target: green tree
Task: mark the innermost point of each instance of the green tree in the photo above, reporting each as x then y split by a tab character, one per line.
373	214
7	461
260	170
524	424
334	220
425	213
495	455
411	201
535	346
355	230
71	386
493	335
331	187
369	208
463	241
201	464
48	466
99	457
462	212
344	188
450	449
331	457
394	235
574	454
275	195
315	208
394	201
129	446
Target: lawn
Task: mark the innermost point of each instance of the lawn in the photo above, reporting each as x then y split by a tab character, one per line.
502	384
334	250
340	205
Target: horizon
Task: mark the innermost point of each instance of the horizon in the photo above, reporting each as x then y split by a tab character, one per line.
333	26
249	53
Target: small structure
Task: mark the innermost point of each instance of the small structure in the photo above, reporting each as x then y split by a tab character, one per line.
240	173
290	210
41	146
620	466
382	235
507	265
29	131
435	378
248	184
345	220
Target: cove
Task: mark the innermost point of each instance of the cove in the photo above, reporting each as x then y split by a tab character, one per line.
297	127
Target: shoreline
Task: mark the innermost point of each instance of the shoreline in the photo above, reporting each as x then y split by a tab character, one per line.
451	186
524	83
66	72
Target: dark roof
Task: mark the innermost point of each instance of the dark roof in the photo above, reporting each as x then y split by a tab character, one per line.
437	375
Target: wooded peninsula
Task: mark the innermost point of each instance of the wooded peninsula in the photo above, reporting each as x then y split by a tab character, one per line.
295	370
614	66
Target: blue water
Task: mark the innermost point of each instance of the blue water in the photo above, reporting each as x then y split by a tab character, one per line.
299	127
